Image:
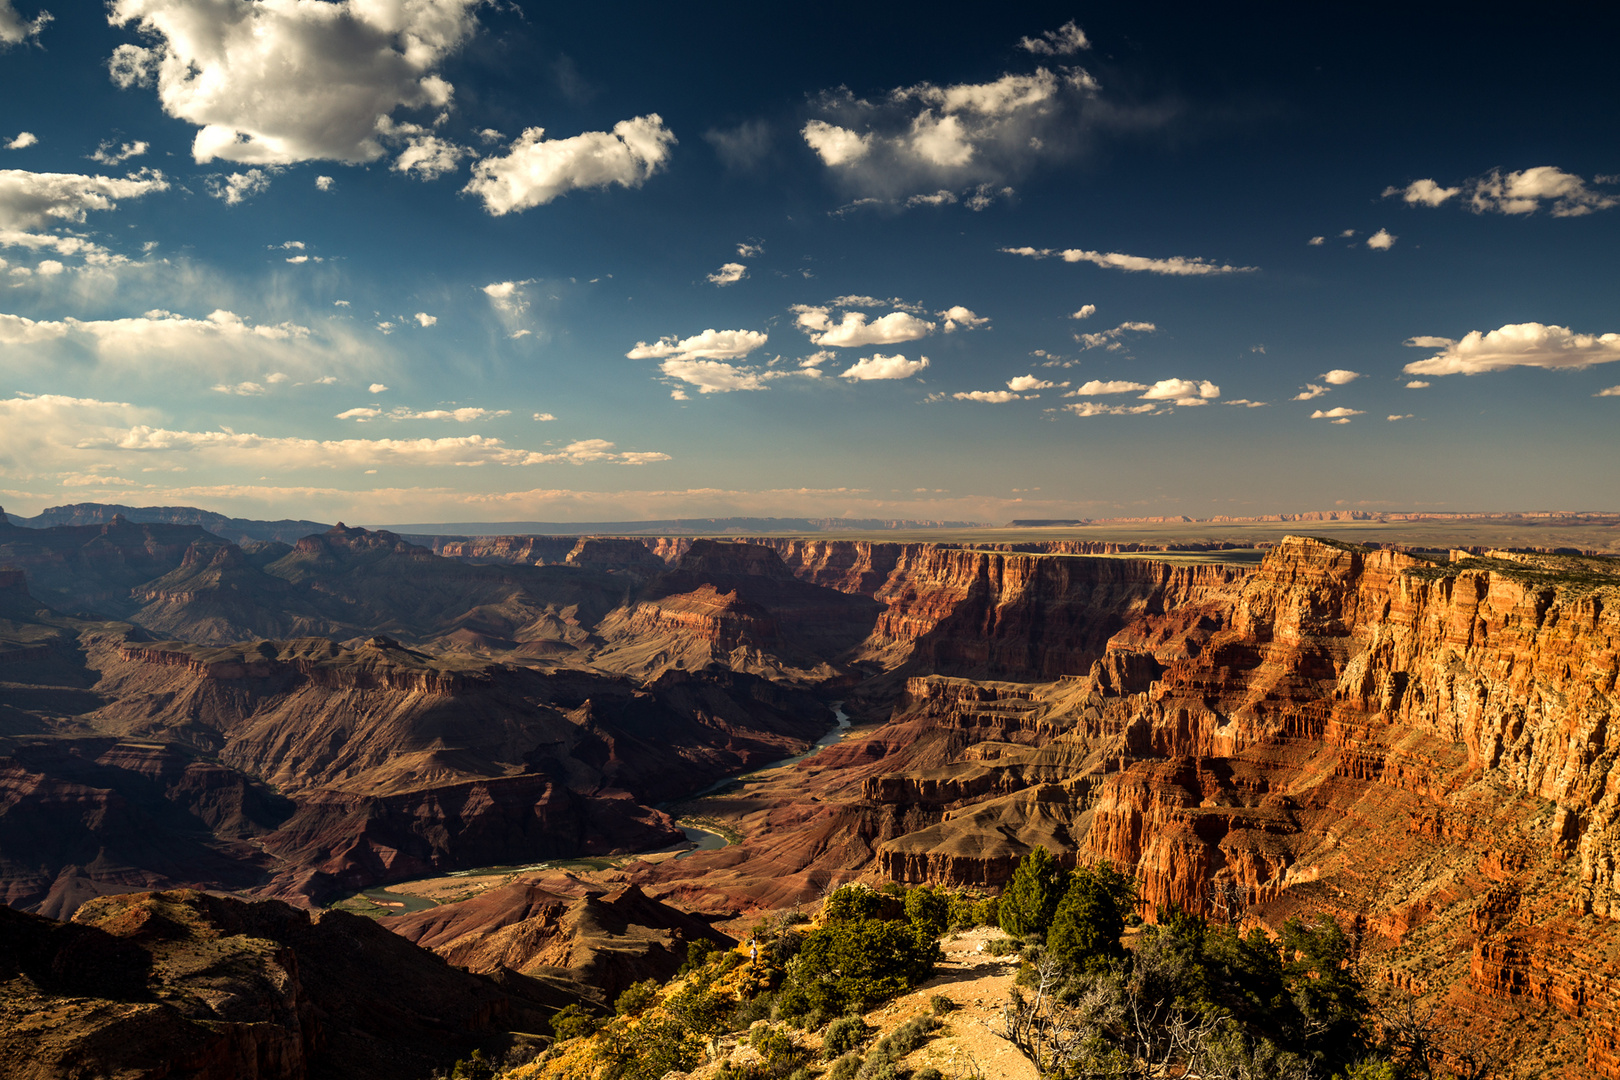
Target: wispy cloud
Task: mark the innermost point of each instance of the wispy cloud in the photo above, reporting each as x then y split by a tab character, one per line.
1174	266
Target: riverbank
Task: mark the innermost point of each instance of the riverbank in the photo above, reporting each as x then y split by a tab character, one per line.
702	834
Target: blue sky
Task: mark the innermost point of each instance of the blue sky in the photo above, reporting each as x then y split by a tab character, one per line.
450	261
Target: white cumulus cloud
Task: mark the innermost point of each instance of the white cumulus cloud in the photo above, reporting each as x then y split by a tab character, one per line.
854	330
1029	382
1523	192
835	145
1423	193
711	344
1382	240
1339	376
1612	391
429	157
32	199
536	170
1341	415
424	319
1529	344
14	29
960	318
729	274
1099	386
1183	392
1311	391
23	141
1086	311
1175	265
280	82
878	366
932	145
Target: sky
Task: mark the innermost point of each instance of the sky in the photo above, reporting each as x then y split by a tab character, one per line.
394	261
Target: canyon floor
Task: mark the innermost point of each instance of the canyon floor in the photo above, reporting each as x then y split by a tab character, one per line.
1415	741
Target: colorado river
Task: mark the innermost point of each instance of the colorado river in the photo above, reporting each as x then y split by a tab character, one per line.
402	903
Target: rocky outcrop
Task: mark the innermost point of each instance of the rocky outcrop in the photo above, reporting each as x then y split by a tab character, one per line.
186	984
592	945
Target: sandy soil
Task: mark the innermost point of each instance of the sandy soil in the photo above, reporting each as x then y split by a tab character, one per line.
966	1048
968	1045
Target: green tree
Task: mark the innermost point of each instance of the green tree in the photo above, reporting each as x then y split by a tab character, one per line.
851	902
1090	918
572	1022
1318	977
856	963
1032	897
636	998
929	910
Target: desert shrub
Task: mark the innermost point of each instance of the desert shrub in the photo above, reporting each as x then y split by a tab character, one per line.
658	1046
636	998
907	1037
845	1068
747	1011
475	1068
940	1004
927	1072
929	910
697	953
1003	946
1033	895
878	1069
778	1049
893	888
697	1009
572	1022
844	1035
850	903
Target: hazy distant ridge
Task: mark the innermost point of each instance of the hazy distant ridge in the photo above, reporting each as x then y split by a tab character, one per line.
229	528
672	527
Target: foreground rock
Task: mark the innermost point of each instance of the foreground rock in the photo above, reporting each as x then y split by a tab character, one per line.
187	984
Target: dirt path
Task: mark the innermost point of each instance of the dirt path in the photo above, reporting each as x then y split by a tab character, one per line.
978	984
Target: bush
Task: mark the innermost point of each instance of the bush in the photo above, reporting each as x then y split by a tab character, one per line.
778	1049
851	903
845	1068
940	1004
1003	946
878	1069
1032	898
474	1069
636	998
573	1022
929	910
927	1072
855	964
697	953
844	1035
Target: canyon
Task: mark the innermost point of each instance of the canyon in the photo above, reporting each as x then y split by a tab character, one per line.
1417	743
